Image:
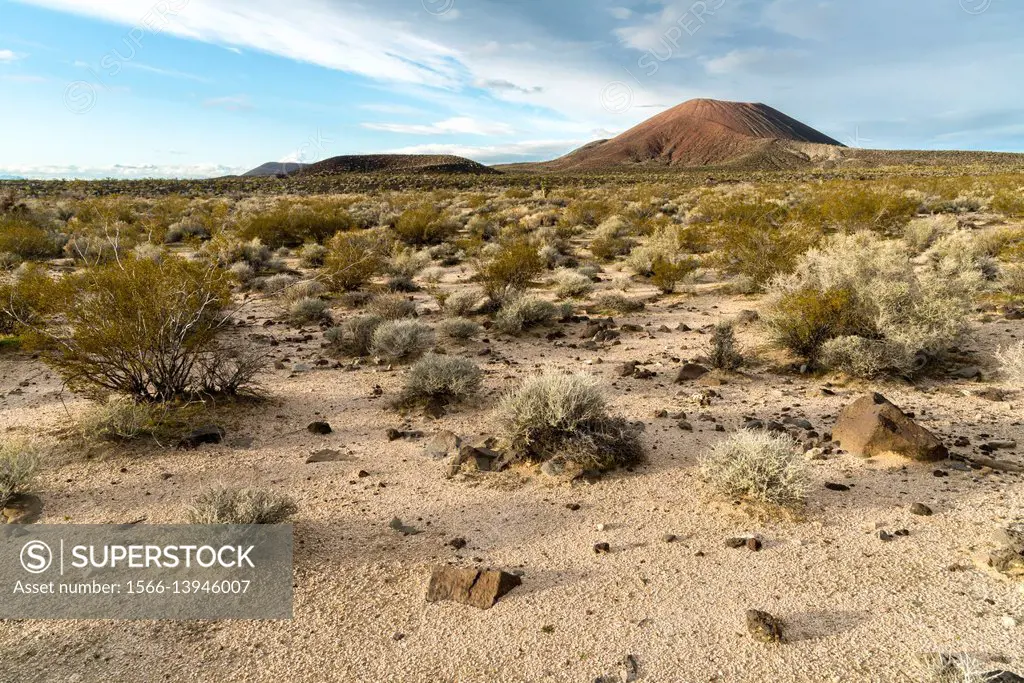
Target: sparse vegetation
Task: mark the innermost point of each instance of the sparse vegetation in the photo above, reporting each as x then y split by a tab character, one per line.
19	464
758	466
723	351
224	505
402	340
565	416
440	380
1011	361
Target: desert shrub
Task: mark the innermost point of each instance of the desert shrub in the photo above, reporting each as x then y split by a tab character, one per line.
26	239
222	505
227	251
148	250
803	320
291	225
758	466
852	207
1011	361
1009	202
189	227
19	465
407	262
440	380
135	327
611	239
280	285
121	419
511	268
565	416
586	212
425	224
922	233
94	249
754	238
312	255
288	289
965	250
24	297
522	312
309	309
571	284
865	287
613	302
9	261
666	274
391	307
402	340
663	244
722	351
354	337
353	259
459	329
463	303
1011	278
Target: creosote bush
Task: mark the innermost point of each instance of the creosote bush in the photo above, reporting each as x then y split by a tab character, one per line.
511	268
402	340
353	259
613	302
758	466
425	224
19	465
440	380
565	416
222	505
140	328
859	305
572	284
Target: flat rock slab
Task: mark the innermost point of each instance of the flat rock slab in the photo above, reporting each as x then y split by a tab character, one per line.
872	425
474	587
210	434
327	455
23	508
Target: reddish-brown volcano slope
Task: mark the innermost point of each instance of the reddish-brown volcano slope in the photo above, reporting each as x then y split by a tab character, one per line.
702	133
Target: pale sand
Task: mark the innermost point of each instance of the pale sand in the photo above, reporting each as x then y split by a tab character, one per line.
856	609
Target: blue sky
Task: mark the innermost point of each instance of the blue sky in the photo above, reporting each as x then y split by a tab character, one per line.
144	88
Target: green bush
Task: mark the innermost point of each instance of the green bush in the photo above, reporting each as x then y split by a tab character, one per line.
667	274
288	225
425	224
135	327
723	352
515	264
21	236
803	320
353	259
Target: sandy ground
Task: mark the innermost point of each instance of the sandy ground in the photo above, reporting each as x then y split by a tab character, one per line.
856	609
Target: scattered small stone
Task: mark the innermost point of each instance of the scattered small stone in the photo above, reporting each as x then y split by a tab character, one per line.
326	455
319	427
735	543
754	544
921	510
458	543
397	525
832	486
669	538
474	587
602	548
764	627
573	506
210	434
884	536
690	372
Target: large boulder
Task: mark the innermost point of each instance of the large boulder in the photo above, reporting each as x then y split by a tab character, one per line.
873	425
474	587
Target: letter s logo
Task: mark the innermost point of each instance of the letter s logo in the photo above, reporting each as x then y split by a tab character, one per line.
36	557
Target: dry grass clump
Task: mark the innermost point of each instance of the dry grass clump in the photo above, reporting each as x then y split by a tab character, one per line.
1011	361
934	667
858	305
1011	278
522	312
290	224
758	466
463	303
459	329
565	416
355	336
308	310
440	380
921	233
391	307
19	465
25	237
121	419
222	505
572	284
613	302
611	239
402	340
312	255
425	224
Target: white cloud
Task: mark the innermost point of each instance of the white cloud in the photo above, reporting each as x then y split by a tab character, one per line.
170	73
753	59
8	56
313	31
120	171
460	125
230	103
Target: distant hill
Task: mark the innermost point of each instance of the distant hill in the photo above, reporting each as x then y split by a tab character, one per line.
275	168
702	132
397	164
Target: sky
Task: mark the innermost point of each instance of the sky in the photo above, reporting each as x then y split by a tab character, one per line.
199	88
